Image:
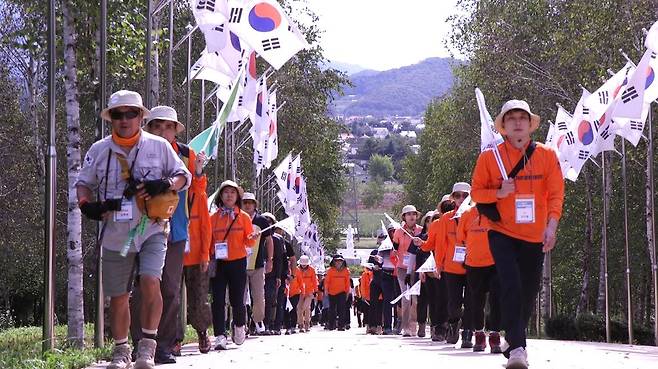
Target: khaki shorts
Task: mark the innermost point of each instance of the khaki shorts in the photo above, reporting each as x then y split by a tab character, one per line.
119	271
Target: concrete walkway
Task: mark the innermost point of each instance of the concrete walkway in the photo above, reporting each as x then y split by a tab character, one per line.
320	349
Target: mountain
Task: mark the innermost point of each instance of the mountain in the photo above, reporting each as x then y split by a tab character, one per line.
401	91
345	67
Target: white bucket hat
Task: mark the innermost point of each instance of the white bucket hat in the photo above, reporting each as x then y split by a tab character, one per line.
229	183
429	214
304	260
516	105
124	98
248	196
270	216
409	209
461	187
163	112
445	197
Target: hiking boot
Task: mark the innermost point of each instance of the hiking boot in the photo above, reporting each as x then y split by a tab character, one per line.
421	330
406	333
260	328
120	357
388	332
480	341
452	335
518	359
163	357
220	343
239	335
204	342
145	354
439	333
494	343
378	330
467	338
176	349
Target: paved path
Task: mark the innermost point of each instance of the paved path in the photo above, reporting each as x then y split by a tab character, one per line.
353	349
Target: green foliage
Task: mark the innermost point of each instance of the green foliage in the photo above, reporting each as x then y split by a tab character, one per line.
373	194
590	327
380	168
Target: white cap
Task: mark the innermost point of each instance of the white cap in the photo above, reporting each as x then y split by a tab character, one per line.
163	112
124	98
461	187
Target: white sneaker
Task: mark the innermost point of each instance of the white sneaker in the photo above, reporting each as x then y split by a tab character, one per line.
260	327
145	354
239	335
220	343
120	357
518	359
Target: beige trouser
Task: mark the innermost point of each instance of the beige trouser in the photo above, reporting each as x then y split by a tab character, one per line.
408	306
256	283
304	310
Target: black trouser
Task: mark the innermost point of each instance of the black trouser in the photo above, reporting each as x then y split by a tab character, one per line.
382	309
270	302
281	301
480	281
291	321
234	275
458	297
348	309
433	298
519	266
337	310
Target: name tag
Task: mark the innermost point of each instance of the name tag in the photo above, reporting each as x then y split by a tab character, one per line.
525	209
405	260
460	254
221	250
126	212
187	246
250	251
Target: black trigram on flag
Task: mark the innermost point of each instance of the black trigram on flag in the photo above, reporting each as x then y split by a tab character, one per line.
605	133
570	138
235	15
208	5
585	110
271	44
629	95
284	176
636	126
653	55
240	99
302	211
604	97
219	28
562	126
583	154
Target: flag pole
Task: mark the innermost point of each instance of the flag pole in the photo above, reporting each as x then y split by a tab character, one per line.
170	56
48	329
148	53
202	119
604	239
626	248
188	85
654	267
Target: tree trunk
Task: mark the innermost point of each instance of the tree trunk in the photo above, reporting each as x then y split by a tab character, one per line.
587	250
32	82
74	250
650	231
607	190
155	60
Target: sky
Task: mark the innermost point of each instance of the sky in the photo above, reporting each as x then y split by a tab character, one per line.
383	34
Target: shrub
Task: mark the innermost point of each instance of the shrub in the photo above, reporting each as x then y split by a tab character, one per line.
561	327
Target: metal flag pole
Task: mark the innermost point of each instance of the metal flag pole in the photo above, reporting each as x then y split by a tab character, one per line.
99	303
626	248
604	239
147	55
654	267
188	91
202	119
170	57
233	160
48	332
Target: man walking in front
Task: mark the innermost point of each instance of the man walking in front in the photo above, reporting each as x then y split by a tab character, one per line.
524	212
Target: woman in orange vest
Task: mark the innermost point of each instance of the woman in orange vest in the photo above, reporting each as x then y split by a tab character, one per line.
364	294
481	278
337	286
309	285
232	233
295	286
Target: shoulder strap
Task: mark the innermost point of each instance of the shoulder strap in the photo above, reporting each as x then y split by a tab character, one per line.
183	149
526	158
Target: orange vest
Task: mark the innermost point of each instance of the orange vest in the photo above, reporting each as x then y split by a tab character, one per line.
473	232
337	281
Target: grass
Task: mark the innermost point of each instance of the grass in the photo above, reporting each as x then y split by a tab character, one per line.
20	348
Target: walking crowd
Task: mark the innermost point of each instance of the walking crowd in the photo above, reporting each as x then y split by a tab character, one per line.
485	242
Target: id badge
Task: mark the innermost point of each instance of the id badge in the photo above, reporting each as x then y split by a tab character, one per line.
405	260
460	254
525	209
221	250
126	212
187	246
250	251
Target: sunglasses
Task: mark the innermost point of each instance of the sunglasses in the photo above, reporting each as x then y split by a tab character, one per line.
459	195
118	115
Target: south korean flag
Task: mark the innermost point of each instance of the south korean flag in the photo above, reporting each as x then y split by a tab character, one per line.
209	12
264	26
643	80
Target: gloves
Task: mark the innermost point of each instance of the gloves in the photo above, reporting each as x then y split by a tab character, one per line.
157	186
95	210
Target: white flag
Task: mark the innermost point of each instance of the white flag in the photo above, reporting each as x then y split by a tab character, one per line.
584	134
209	12
489	136
211	202
428	266
250	87
281	171
294	180
211	67
386	244
272	147
411	291
604	97
651	40
267	29
466	204
392	221
288	225
632	101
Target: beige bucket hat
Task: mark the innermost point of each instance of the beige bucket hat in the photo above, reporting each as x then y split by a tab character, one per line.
408	209
163	112
516	105
124	98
